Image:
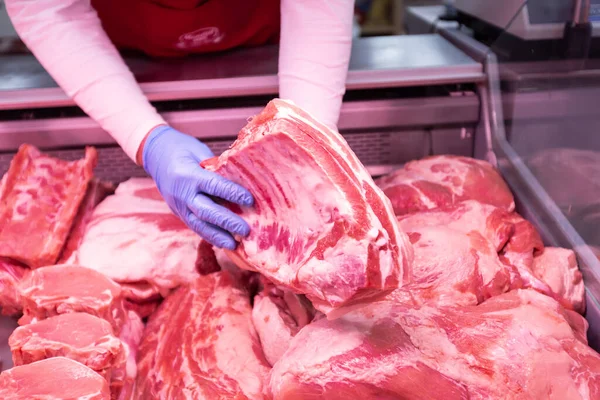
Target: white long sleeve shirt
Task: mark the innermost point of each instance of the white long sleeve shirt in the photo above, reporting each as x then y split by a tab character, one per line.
66	36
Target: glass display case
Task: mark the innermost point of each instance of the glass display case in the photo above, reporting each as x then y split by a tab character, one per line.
541	102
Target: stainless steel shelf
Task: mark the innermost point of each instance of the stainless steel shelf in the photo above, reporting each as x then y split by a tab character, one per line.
391	61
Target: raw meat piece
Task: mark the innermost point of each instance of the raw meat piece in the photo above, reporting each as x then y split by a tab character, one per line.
523	244
143	309
454	268
278	315
39	201
319	226
491	222
206	263
139	292
10	275
65	289
518	253
53	378
558	268
518	243
141	298
96	192
131	337
134	237
201	344
81	337
519	345
442	181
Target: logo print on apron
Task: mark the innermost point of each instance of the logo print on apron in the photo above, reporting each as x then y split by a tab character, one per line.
200	37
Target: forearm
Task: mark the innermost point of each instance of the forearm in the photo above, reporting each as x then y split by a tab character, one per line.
67	38
316	40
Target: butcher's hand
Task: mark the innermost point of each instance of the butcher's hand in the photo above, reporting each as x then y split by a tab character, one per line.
173	160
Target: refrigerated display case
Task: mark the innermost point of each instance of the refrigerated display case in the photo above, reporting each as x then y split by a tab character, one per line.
408	97
540	122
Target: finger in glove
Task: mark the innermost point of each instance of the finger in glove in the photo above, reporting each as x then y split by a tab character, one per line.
206	210
212	234
215	185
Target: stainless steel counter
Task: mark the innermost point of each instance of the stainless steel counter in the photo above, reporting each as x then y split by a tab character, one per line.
390	61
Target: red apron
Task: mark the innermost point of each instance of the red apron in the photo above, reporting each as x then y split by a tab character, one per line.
180	27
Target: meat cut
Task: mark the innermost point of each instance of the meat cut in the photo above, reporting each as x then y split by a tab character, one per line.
441	291
131	337
62	289
519	345
200	344
558	268
517	242
453	268
134	237
523	244
319	225
54	378
77	336
491	222
11	274
39	201
96	192
439	181
278	315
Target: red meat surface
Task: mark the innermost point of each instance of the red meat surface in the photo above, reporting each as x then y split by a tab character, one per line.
519	345
39	201
53	378
439	181
200	344
319	225
62	289
77	336
11	274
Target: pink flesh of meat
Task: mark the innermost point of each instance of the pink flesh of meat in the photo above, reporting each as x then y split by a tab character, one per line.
200	344
445	180
131	337
54	378
454	268
523	245
519	245
10	276
64	289
278	315
491	222
319	226
519	345
96	192
558	268
134	237
39	201
78	336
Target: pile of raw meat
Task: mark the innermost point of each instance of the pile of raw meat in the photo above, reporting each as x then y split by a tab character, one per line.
424	284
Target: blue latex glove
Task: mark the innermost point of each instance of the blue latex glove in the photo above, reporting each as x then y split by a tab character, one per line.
173	160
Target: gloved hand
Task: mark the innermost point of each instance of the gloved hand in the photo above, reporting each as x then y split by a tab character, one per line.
173	160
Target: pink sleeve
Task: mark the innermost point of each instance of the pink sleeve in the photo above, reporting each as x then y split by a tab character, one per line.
67	38
316	40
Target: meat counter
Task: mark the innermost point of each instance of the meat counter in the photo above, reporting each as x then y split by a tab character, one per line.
408	97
